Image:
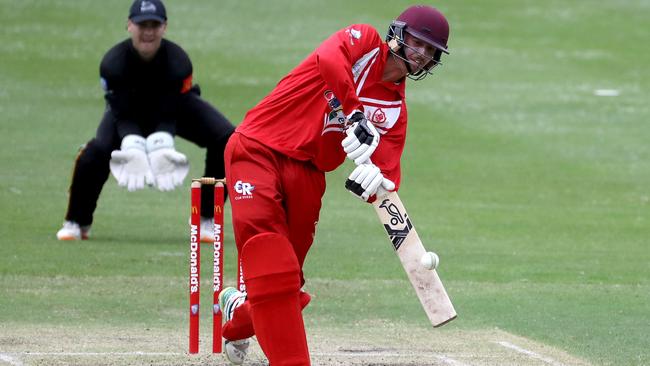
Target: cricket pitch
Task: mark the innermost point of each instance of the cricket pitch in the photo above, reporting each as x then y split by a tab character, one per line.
362	344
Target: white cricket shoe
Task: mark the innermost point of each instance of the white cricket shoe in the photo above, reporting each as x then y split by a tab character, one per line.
229	299
207	229
72	231
236	351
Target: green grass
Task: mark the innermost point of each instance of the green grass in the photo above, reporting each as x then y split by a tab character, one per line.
533	191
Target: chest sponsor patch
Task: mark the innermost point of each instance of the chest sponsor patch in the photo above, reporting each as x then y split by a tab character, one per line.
383	117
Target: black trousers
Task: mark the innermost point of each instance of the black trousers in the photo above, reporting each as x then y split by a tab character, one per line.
197	121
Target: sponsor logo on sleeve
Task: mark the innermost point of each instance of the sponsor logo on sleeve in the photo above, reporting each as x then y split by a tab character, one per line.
335	119
353	34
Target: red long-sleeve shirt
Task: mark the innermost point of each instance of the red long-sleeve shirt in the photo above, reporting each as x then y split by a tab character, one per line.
296	119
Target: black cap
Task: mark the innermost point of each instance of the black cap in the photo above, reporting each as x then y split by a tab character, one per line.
142	10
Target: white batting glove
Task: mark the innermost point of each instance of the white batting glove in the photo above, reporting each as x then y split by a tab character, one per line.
169	167
367	183
362	138
130	165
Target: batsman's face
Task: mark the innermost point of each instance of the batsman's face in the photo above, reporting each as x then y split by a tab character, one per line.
419	53
146	37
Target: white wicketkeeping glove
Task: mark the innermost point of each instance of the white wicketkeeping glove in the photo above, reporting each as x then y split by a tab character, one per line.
130	165
169	167
362	138
367	183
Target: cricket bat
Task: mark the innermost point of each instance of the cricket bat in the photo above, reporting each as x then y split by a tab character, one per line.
409	249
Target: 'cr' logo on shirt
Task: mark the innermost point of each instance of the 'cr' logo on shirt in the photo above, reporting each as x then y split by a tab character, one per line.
243	188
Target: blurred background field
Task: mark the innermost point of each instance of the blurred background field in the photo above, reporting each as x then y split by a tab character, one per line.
534	190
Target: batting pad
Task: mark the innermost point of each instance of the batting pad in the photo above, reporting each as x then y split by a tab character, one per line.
272	276
269	257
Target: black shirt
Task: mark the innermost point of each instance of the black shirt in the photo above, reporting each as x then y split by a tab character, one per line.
143	96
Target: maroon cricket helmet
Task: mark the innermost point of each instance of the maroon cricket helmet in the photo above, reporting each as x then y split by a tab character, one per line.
428	24
422	22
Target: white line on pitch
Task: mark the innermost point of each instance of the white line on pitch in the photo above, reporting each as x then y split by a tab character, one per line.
530	354
137	353
10	360
355	354
446	360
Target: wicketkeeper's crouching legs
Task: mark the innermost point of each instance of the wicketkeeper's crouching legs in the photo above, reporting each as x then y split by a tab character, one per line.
274	301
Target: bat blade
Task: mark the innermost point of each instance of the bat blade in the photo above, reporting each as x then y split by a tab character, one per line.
409	249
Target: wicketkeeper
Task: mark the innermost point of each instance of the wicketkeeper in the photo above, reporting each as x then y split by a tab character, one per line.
150	99
347	98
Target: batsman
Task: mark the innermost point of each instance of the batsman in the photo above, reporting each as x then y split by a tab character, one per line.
347	98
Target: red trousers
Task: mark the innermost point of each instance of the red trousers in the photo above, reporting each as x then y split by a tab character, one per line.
270	192
275	204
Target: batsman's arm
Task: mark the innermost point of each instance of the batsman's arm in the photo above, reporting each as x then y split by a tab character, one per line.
336	57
